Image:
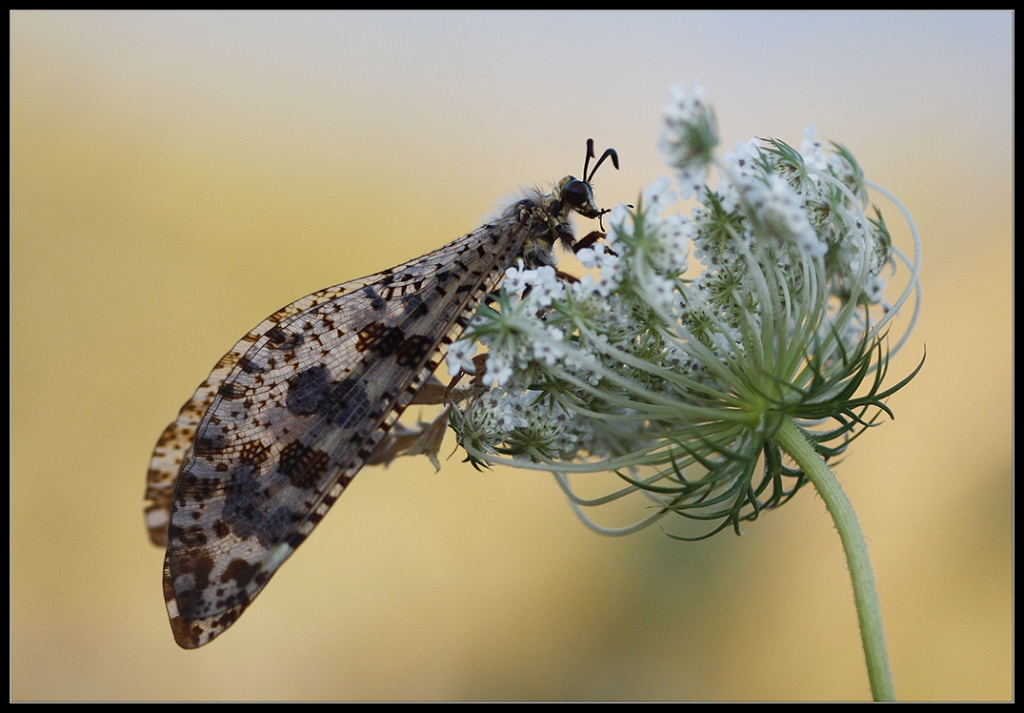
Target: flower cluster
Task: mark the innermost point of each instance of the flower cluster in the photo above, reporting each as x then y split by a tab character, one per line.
675	361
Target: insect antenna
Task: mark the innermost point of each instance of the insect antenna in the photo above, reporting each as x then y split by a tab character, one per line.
609	153
590	154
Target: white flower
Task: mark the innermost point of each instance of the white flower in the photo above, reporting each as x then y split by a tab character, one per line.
549	350
781	211
874	290
742	160
545	287
583	287
810	149
616	222
682	105
660	292
659	194
508	415
707	398
610	267
587	258
517	279
689	137
499	369
675	236
460	357
611	273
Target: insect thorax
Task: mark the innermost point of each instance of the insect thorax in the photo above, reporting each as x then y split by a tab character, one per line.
546	219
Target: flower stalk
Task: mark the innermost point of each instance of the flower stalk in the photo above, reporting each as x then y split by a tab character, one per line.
793	442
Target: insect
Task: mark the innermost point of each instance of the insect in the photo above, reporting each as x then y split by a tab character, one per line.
287	418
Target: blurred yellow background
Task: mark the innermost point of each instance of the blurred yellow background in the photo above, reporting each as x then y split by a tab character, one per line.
176	177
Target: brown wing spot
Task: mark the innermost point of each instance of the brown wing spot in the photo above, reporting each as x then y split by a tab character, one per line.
278	338
231	391
345	403
376	302
221	529
303	466
442	278
190	579
170	434
246	509
305	390
415	305
208	445
253	453
249	365
191	487
239	571
380	339
414	349
188	537
226	360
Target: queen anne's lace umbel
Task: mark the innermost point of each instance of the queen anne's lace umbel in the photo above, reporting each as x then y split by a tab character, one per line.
674	362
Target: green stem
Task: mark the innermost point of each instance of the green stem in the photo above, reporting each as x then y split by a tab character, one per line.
793	442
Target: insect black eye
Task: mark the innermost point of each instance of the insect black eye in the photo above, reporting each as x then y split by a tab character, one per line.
576	192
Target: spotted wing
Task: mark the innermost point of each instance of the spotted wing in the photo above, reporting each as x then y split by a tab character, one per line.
290	415
175	444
